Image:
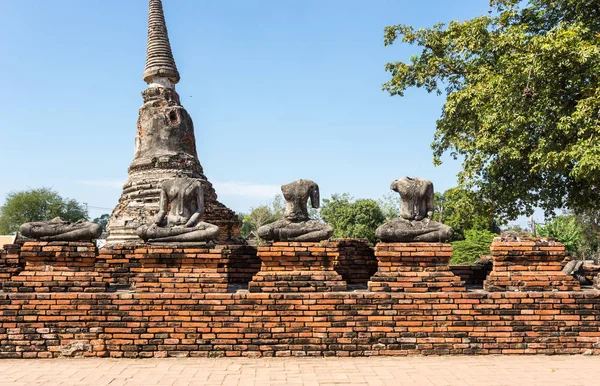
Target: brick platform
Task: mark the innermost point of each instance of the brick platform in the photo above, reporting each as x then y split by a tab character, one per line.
414	267
528	264
156	268
297	267
305	324
56	266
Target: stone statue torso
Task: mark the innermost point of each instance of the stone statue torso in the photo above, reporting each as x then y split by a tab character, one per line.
181	194
415	196
296	195
416	211
296	224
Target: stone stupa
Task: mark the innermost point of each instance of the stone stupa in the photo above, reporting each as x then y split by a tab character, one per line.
165	146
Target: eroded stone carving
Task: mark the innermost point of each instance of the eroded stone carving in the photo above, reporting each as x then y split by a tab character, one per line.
58	229
178	219
297	225
575	269
416	211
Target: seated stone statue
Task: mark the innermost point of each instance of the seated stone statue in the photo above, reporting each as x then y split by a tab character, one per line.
296	224
416	210
58	229
178	219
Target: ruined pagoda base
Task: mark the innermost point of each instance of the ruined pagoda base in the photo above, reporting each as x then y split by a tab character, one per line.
165	148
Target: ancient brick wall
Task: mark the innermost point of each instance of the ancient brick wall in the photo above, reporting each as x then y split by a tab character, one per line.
164	304
9	262
148	268
315	324
55	267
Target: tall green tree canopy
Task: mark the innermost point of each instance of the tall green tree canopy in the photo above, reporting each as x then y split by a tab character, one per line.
465	210
37	205
523	100
352	218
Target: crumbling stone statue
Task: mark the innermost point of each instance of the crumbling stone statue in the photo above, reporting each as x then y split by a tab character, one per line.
58	229
416	211
178	220
575	269
296	225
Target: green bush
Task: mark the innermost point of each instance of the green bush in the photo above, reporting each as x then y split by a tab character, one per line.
476	242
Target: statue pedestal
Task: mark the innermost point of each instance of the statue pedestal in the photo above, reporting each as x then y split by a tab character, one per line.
166	268
414	267
57	266
528	264
297	267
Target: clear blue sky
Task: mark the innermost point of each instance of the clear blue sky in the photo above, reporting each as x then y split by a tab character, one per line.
278	90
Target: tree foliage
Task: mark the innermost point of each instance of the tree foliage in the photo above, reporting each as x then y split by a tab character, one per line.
476	243
37	205
523	102
464	210
390	205
352	218
578	237
262	215
102	221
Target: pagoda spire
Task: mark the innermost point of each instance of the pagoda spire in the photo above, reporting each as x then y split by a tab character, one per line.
161	70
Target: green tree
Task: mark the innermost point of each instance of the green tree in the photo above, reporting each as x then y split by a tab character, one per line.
523	102
102	221
37	205
390	205
464	210
352	218
476	243
568	231
262	215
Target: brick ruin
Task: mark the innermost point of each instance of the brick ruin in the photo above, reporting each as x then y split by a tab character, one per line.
289	299
333	298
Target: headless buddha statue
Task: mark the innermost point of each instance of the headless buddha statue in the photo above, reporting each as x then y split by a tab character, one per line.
58	229
178	220
296	224
416	211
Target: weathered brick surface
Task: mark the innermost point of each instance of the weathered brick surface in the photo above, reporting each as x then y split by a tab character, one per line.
297	267
528	264
56	267
308	324
153	268
9	262
414	267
